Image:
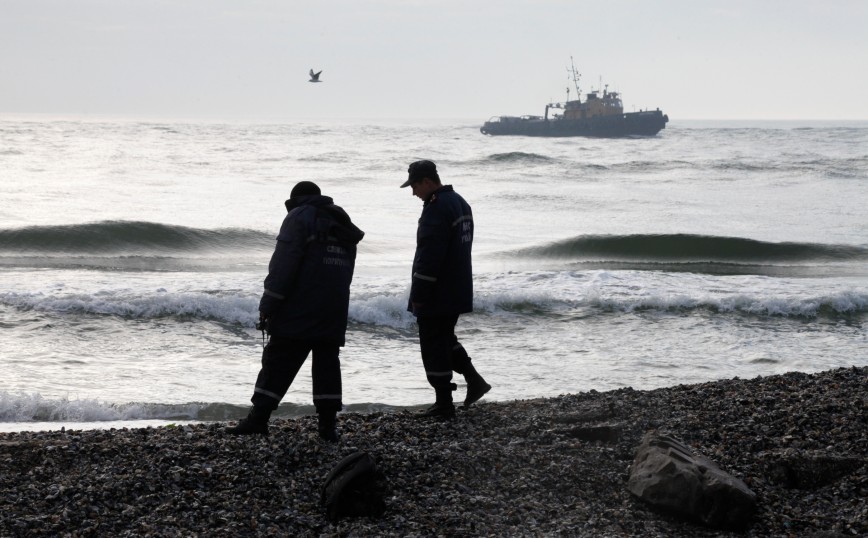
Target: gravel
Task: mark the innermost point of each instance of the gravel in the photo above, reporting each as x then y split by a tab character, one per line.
554	466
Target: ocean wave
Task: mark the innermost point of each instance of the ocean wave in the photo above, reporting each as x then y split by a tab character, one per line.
835	167
531	295
690	248
236	261
24	407
518	157
845	167
629	293
33	407
330	157
835	305
128	237
650	166
380	309
228	308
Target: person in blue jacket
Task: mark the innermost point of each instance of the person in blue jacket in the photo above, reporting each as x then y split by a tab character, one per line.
304	307
442	286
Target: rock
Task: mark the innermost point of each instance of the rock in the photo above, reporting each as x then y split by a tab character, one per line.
354	487
588	414
808	469
668	475
606	433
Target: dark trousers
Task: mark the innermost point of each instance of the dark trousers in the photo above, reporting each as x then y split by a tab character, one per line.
282	359
441	352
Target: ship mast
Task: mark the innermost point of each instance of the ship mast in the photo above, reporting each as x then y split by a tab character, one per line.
574	75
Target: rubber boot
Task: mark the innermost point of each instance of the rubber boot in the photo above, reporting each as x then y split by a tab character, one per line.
476	386
443	407
328	426
256	422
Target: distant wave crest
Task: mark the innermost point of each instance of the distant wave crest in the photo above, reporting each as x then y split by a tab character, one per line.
126	237
518	157
686	247
838	167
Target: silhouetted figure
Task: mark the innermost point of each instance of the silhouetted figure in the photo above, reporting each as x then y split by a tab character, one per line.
442	286
304	308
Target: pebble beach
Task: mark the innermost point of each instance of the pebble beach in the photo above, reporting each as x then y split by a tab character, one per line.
542	467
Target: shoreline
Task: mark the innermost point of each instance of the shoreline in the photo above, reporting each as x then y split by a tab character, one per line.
502	468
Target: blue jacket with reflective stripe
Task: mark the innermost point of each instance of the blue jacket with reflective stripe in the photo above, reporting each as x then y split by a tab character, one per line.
307	290
442	281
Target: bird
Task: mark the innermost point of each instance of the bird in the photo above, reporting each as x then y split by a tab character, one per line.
314	77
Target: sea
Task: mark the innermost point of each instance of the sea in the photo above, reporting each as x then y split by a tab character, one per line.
133	253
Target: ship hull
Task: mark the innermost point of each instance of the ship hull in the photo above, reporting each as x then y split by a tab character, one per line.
646	123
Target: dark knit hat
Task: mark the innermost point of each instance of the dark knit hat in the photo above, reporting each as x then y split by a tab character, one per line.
304	188
419	170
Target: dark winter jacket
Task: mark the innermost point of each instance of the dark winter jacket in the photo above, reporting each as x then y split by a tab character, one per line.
442	269
307	290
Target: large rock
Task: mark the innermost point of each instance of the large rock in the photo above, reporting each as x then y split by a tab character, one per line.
668	475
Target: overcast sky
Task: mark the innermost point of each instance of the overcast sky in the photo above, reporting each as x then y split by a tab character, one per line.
249	59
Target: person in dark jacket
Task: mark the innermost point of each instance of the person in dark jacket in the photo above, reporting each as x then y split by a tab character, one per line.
442	286
304	307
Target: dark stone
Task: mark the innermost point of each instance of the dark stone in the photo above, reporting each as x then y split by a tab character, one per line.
808	469
355	487
590	414
606	433
668	475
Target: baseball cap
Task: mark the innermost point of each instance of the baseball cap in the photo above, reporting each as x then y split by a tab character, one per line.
419	170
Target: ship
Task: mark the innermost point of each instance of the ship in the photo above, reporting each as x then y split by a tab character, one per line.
600	114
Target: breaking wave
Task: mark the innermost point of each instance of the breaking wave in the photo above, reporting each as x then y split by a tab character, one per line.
23	407
228	308
367	311
33	407
837	305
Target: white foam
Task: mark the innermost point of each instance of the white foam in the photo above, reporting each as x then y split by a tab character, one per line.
389	310
383	302
229	308
629	291
28	407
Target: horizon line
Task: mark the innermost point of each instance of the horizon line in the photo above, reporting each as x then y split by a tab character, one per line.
85	117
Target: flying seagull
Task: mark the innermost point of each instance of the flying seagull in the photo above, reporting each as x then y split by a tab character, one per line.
314	77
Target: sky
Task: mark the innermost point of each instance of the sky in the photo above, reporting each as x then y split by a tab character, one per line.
424	59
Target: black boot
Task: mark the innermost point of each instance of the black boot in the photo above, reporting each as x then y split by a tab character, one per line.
256	422
328	426
443	408
476	386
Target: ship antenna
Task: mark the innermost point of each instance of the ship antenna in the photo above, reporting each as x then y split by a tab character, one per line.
575	75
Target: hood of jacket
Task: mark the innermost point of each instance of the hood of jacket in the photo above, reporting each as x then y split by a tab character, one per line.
342	228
